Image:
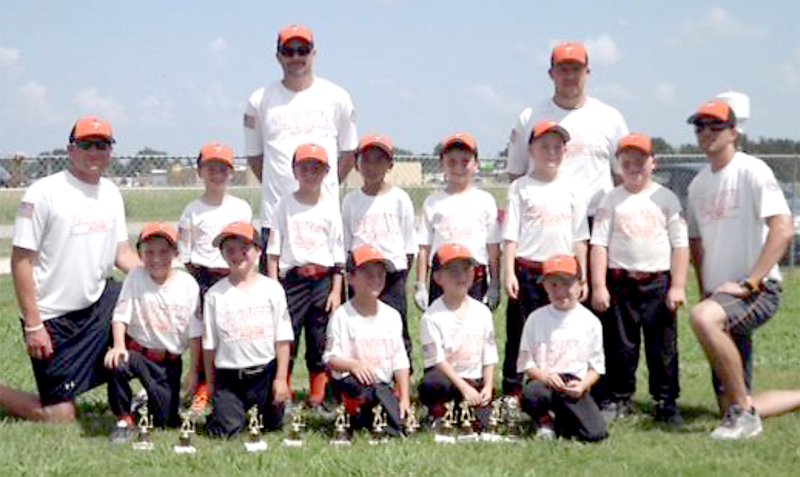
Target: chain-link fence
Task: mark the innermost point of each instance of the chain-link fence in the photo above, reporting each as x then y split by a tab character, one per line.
156	185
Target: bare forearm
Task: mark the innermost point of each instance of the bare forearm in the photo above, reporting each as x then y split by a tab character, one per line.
336	284
282	357
581	249
272	266
599	266
679	267
126	259
494	263
118	330
696	253
346	161
488	376
422	263
778	239
24	285
401	377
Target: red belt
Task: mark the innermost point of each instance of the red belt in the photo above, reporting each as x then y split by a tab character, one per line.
529	265
639	277
480	273
154	355
311	271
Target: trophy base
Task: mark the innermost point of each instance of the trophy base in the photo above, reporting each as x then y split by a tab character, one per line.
143	446
378	441
513	438
473	437
185	449
491	437
444	439
256	446
340	442
292	443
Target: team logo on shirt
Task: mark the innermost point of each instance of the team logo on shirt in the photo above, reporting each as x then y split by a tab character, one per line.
25	210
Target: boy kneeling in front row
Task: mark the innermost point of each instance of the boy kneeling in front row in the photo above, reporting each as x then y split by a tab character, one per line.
365	348
561	354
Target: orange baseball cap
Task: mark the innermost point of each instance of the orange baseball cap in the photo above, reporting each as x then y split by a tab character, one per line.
640	142
295	32
216	151
310	152
450	252
242	230
544	127
364	254
91	127
462	139
569	52
376	140
158	229
714	109
561	265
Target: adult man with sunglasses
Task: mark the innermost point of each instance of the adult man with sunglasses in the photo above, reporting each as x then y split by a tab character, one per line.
300	108
739	227
69	234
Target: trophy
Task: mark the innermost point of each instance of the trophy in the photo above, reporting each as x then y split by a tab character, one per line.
341	428
411	423
255	424
295	439
492	432
466	416
143	426
185	437
513	419
445	435
378	426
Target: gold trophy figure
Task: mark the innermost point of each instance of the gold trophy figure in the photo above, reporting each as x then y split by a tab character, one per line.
411	422
185	437
445	434
295	438
143	427
341	428
467	417
492	432
513	419
255	423
378	426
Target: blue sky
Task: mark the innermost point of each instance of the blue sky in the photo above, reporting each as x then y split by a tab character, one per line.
174	74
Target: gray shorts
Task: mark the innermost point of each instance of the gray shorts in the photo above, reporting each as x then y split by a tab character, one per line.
743	315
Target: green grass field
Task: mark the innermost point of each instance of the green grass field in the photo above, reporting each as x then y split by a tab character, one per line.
635	448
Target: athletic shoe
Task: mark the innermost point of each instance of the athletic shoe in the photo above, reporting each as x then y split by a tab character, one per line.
122	433
613	410
667	412
545	433
200	400
738	424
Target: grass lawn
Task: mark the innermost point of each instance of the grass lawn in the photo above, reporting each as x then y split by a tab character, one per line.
635	447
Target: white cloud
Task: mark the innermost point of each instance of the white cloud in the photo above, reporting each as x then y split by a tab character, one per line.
665	93
218	45
152	111
35	105
486	96
9	58
91	102
716	23
602	50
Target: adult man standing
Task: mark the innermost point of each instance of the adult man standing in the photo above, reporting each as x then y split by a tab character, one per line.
299	109
594	127
739	227
69	233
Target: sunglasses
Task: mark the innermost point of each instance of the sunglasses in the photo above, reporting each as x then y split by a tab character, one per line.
100	145
289	51
715	126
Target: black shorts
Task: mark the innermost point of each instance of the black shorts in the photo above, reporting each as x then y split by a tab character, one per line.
80	340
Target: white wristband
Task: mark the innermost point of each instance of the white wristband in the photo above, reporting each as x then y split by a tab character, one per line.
31	329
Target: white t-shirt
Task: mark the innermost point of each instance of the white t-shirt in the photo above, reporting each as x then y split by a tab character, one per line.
302	234
544	218
283	120
467	343
727	211
201	222
594	128
385	221
160	316
242	325
562	342
640	230
376	341
75	228
467	218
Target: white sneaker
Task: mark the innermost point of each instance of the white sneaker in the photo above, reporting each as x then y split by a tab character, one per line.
738	424
545	433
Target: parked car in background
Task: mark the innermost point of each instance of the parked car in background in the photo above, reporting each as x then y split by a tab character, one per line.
677	177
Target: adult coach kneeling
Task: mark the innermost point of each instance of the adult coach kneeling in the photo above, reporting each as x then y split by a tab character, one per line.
69	233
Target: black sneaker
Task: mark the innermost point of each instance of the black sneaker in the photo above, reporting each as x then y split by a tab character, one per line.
122	433
624	409
668	413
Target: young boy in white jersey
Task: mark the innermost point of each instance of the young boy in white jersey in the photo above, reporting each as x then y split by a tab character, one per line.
382	216
155	316
364	349
458	342
463	214
246	338
546	216
640	257
200	222
561	354
306	252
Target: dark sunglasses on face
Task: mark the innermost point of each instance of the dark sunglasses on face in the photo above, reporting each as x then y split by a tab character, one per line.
715	126
289	51
100	145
